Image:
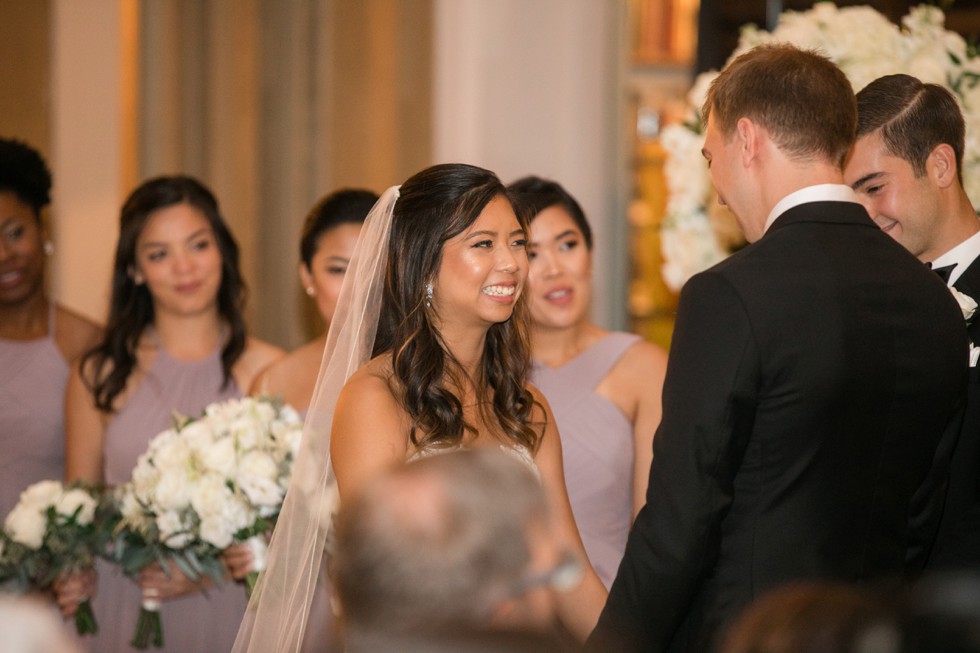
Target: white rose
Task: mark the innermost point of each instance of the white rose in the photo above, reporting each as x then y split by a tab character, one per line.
26	525
173	531
211	494
145	475
248	434
258	477
77	500
967	304
173	490
263	411
197	435
238	514
172	454
42	494
220	457
215	531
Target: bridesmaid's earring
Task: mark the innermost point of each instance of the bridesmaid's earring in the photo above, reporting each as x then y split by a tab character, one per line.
310	291
428	294
48	248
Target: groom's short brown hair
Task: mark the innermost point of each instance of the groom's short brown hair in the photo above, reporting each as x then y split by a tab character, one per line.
799	96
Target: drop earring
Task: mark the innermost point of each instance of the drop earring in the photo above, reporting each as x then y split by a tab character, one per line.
428	294
48	248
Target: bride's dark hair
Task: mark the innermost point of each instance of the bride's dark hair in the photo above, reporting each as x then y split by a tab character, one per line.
434	206
107	367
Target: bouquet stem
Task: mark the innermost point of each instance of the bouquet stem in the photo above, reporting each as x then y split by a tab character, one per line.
148	625
85	619
259	549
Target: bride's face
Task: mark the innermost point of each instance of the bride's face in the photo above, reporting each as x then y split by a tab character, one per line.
483	270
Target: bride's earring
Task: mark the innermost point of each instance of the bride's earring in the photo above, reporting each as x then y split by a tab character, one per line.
428	294
48	248
310	291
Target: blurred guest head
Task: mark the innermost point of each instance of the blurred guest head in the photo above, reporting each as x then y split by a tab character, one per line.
813	618
943	615
327	243
32	626
452	542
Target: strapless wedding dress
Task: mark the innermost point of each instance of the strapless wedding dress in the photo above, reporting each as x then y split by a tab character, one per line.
517	451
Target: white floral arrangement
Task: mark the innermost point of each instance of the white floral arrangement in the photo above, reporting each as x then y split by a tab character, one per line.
201	486
866	46
55	529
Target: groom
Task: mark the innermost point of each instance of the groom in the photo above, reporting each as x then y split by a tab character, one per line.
814	385
906	169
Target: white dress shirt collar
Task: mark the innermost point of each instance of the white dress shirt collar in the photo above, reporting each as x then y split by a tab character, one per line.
818	193
961	256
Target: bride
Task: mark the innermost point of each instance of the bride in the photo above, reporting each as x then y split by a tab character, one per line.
442	263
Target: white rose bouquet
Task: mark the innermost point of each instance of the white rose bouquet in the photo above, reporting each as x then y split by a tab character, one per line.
53	530
201	486
865	45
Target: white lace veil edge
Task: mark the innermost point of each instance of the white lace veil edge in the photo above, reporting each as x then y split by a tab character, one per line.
277	613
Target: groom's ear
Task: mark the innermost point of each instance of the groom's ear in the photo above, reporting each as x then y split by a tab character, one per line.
747	135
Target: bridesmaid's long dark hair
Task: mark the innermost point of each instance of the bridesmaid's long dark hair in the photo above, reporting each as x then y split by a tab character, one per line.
434	206
107	367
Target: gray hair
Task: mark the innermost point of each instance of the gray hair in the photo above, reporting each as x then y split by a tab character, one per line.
438	543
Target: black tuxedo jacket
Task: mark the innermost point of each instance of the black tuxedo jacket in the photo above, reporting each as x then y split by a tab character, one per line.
812	380
958	542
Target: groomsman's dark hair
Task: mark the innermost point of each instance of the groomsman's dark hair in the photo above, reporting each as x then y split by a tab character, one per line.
913	118
799	96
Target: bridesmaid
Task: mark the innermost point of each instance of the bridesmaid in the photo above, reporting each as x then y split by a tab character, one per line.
39	339
175	341
326	245
604	387
329	235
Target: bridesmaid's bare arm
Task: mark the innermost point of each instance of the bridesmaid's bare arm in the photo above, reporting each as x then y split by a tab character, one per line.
578	609
84	432
646	367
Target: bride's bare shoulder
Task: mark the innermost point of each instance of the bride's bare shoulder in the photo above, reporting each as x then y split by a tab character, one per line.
369	386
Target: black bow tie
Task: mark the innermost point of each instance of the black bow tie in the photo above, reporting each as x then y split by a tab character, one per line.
944	272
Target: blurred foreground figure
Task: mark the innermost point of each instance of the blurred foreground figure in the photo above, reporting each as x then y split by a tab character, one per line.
29	625
813	618
453	551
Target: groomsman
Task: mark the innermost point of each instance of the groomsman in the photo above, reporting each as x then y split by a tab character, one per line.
906	167
812	379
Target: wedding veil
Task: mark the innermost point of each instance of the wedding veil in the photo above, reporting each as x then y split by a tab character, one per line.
277	613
